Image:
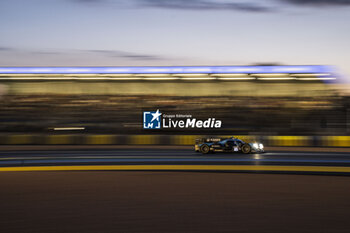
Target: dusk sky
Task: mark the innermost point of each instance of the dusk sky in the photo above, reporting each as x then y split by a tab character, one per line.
177	32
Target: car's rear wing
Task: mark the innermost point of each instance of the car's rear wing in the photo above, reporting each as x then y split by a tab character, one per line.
203	140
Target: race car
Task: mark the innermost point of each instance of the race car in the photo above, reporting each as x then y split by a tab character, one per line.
212	145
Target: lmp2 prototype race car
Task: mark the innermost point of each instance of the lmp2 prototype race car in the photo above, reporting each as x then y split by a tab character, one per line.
212	145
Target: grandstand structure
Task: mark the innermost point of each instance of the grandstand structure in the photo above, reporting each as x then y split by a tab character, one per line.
265	100
169	80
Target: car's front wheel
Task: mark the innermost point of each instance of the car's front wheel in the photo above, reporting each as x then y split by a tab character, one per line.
246	148
205	149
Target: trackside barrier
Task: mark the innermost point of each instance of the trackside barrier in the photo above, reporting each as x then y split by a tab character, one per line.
100	139
289	141
97	139
337	141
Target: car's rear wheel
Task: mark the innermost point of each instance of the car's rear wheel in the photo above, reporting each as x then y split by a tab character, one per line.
246	148
205	149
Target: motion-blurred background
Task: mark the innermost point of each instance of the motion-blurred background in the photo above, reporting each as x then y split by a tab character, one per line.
271	106
196	32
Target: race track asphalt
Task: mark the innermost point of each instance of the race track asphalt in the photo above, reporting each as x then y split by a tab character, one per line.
199	202
96	199
172	156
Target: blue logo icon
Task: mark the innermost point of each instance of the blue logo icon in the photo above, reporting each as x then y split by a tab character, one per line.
151	120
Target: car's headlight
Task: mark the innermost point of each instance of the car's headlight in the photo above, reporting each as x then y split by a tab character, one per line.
261	146
255	145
